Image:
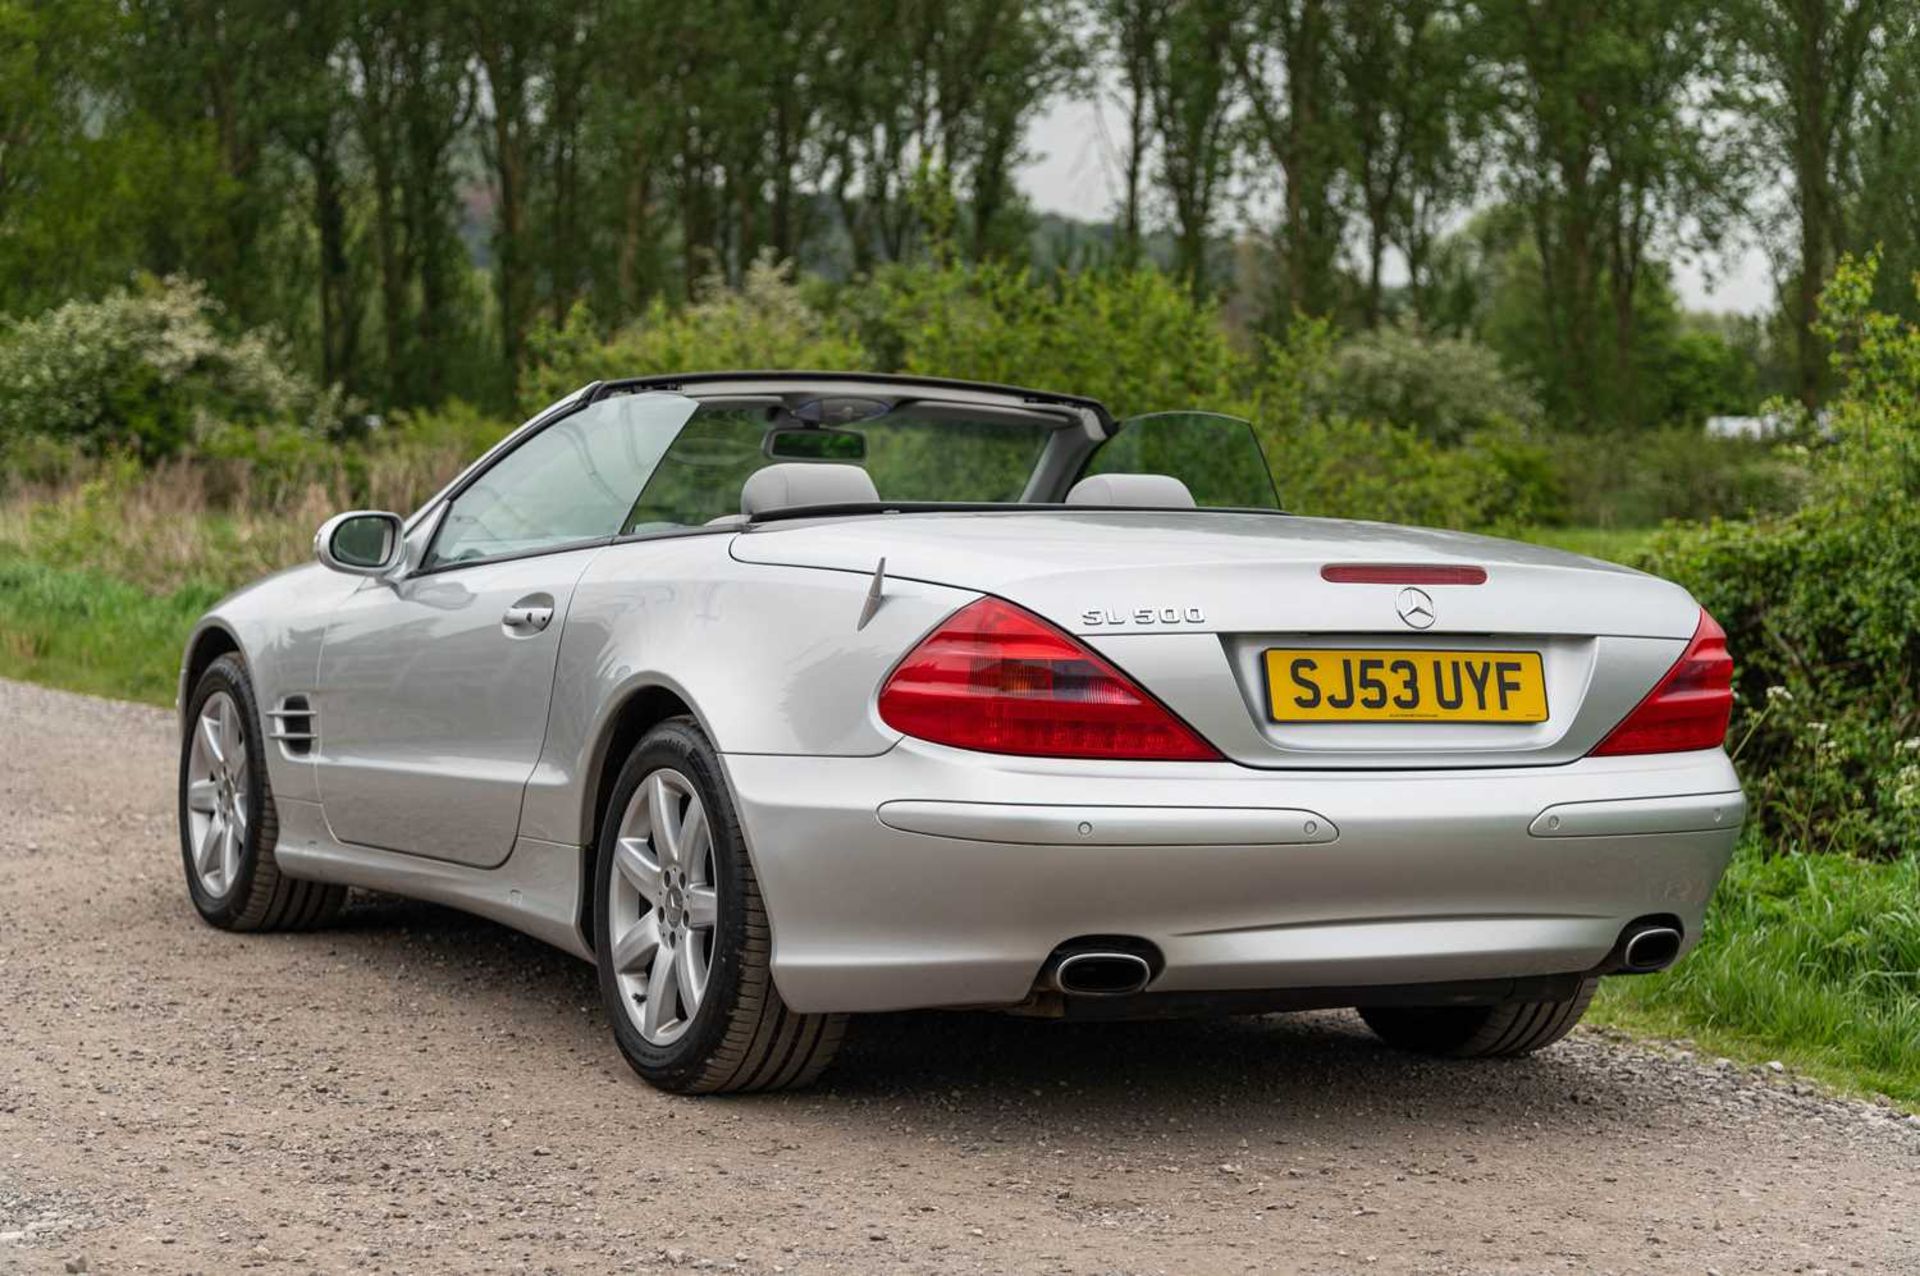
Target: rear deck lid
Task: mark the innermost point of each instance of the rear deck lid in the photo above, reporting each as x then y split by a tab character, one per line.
1207	609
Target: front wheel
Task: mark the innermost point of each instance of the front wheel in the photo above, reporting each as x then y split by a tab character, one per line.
1479	1032
681	935
228	824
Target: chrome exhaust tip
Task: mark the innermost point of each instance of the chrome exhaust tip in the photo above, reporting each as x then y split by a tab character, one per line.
1100	974
1651	949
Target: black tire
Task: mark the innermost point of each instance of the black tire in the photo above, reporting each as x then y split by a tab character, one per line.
743	1037
1479	1032
259	897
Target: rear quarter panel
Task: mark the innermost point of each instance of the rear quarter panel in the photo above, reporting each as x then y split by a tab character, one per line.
770	658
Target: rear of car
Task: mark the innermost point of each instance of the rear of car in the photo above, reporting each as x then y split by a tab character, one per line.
784	695
1249	761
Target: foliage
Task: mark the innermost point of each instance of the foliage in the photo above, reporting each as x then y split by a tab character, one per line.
394	464
409	190
1810	959
1597	182
765	323
1496	479
1135	340
1642	478
1822	605
147	371
1443	386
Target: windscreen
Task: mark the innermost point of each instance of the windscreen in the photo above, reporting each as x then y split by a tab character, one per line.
922	452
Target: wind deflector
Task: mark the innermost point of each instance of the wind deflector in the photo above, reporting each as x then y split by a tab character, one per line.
1218	457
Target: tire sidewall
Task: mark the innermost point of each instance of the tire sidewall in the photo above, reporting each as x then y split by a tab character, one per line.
229	675
678	746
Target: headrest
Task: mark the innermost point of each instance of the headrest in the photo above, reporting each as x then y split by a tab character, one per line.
779	487
1159	491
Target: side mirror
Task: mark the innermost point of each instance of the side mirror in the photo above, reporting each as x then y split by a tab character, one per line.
361	542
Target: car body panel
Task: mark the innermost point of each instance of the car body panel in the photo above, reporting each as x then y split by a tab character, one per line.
434	711
1186	603
898	873
278	623
1247	573
771	661
1433	876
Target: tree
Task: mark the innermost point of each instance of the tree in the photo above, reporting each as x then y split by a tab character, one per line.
62	231
1886	209
1132	35
1601	148
1811	62
307	113
1410	100
1193	100
514	43
415	102
1284	55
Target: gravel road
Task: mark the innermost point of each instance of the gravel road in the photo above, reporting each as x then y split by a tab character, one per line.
420	1091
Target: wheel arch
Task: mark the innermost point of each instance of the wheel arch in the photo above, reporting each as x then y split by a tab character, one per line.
208	643
640	709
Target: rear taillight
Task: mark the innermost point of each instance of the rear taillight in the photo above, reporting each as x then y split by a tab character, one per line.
1690	706
1002	680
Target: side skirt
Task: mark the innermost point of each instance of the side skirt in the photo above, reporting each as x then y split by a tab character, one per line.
536	891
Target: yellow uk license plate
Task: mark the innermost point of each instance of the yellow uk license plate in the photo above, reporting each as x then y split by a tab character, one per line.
1318	684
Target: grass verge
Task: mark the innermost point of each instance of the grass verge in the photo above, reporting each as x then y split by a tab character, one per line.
1813	960
86	631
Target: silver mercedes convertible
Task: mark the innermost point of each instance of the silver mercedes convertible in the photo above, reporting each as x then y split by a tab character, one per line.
782	697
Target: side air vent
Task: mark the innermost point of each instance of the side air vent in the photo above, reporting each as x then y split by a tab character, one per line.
295	726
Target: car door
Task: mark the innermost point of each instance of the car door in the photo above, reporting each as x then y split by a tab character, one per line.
433	689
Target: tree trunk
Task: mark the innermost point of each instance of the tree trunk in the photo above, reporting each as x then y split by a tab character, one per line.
339	329
1811	188
509	232
633	231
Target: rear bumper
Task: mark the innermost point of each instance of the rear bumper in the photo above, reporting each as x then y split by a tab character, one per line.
934	877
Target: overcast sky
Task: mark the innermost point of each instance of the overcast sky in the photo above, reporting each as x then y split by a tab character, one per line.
1075	173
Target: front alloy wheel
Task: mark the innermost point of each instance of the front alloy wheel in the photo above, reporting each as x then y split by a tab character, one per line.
229	827
684	949
217	794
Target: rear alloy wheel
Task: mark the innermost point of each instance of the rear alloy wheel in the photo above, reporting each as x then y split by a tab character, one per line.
228	824
1479	1032
685	951
662	907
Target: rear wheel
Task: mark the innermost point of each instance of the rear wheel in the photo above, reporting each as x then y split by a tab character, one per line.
685	952
228	825
1479	1032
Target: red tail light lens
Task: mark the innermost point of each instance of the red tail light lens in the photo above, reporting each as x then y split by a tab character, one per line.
1001	680
1690	707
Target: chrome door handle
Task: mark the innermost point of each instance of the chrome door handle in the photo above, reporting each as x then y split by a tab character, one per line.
527	620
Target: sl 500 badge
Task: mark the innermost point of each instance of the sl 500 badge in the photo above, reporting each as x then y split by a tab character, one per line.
1144	616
